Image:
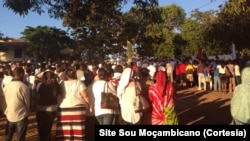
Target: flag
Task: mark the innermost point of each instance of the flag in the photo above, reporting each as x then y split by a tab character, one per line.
199	52
129	51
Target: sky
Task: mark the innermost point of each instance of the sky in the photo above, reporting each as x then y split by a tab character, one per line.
11	24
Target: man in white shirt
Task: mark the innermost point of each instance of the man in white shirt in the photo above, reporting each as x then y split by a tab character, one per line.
170	70
17	97
152	70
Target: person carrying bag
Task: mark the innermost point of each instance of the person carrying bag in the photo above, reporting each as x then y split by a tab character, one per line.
109	100
129	93
104	115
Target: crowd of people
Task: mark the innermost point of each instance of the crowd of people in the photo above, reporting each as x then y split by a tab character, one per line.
209	75
69	92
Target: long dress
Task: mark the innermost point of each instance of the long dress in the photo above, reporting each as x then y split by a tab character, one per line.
71	113
163	112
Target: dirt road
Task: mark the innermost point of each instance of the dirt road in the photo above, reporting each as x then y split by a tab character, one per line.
203	108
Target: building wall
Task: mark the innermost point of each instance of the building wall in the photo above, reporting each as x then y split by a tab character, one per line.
13	50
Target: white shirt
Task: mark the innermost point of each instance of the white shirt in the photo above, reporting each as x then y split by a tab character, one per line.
17	96
169	68
152	70
237	70
71	91
97	88
32	80
6	80
221	70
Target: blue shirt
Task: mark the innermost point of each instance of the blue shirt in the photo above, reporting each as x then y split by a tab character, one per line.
216	71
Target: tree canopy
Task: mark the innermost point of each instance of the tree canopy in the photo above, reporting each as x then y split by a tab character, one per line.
102	28
46	41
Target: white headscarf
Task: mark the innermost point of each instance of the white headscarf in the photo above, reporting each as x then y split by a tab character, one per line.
126	75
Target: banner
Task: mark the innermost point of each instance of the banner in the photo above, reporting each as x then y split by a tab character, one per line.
233	51
199	52
129	51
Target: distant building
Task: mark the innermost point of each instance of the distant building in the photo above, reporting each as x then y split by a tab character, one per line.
13	50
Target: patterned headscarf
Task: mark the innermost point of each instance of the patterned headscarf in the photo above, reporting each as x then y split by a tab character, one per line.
161	81
240	103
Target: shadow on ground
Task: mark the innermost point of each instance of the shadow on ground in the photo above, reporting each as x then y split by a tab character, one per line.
202	107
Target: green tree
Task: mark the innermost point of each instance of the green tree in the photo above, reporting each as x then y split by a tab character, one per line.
96	24
232	25
46	41
71	8
95	28
134	29
195	31
164	30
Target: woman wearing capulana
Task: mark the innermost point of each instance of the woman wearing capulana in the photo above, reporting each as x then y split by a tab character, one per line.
162	95
240	103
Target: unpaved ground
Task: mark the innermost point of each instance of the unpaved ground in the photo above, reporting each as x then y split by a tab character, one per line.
193	107
203	108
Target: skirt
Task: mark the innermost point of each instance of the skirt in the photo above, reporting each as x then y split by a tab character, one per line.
71	123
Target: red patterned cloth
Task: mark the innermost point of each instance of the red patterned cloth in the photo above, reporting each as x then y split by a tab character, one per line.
71	123
162	96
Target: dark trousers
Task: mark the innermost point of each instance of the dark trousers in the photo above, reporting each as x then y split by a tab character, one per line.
45	121
238	80
20	126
